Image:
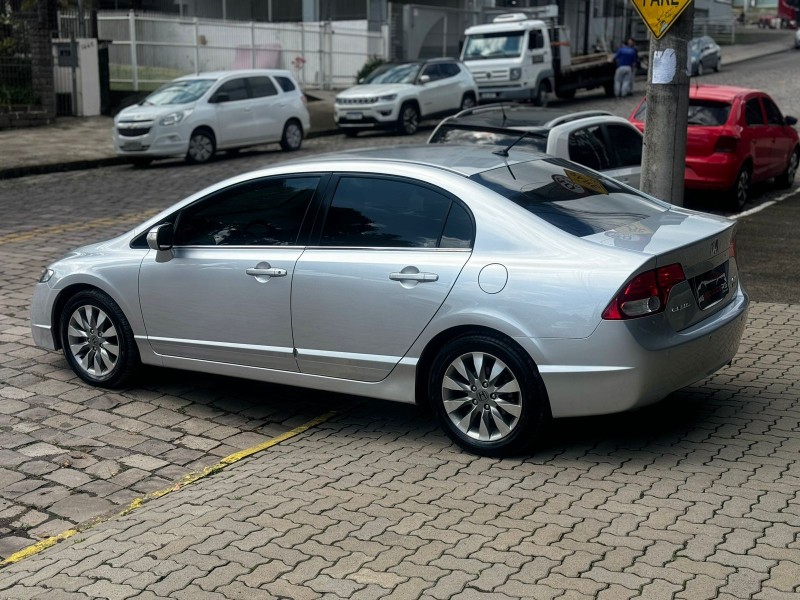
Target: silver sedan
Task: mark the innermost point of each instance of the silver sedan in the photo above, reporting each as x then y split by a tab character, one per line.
500	290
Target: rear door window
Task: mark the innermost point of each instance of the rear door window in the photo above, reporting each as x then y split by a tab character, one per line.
568	197
774	116
709	113
588	146
377	212
752	112
287	85
261	87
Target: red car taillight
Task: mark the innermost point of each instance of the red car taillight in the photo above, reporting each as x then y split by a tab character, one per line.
732	248
645	294
726	143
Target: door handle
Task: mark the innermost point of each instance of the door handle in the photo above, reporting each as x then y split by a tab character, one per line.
270	272
420	277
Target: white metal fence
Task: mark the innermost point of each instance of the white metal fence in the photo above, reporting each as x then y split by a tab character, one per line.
150	49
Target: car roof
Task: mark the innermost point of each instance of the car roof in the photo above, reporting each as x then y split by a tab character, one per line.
717	92
466	160
235	73
518	117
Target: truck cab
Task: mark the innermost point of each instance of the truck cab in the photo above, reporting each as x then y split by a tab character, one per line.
510	59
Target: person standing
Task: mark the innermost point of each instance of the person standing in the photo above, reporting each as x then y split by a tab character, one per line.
626	58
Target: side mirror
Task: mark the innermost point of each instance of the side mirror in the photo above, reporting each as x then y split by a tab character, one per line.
221	97
360	80
423	79
161	237
792	121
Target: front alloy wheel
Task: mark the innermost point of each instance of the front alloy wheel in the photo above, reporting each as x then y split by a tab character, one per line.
785	179
201	147
409	119
97	340
488	395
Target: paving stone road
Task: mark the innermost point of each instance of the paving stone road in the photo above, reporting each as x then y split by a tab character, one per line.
694	498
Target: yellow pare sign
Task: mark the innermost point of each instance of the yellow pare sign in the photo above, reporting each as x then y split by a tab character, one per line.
659	15
586	181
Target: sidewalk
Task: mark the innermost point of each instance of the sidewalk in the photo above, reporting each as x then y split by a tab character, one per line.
81	143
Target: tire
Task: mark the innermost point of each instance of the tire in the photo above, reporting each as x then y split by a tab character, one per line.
202	146
700	69
97	340
292	137
786	179
140	162
408	121
540	97
467	102
506	424
737	195
718	65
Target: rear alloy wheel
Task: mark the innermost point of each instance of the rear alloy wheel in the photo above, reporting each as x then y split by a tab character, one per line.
98	340
201	146
741	188
292	137
488	395
408	123
786	179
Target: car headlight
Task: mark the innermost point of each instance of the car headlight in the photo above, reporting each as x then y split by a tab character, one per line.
174	118
46	275
388	98
515	73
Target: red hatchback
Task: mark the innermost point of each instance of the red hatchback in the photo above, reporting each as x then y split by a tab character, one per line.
736	137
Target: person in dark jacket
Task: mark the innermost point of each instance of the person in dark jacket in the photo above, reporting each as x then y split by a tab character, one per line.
626	58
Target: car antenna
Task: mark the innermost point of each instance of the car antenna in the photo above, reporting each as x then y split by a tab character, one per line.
503	110
504	151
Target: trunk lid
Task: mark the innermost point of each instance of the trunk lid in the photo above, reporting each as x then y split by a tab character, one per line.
700	244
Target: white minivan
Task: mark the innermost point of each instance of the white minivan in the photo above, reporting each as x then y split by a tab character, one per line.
196	115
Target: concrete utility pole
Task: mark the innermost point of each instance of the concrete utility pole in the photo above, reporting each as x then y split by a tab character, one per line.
664	153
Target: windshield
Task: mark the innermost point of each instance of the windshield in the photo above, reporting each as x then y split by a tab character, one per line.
448	134
405	73
502	44
708	113
179	92
569	197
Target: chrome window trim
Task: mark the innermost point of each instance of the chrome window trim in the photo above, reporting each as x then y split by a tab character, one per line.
239	247
388	248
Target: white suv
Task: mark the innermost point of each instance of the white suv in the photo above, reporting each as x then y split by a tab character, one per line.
399	95
196	115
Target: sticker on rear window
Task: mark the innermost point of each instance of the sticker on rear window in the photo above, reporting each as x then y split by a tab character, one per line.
568	184
586	181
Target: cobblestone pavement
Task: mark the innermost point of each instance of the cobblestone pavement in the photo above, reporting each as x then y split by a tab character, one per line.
694	498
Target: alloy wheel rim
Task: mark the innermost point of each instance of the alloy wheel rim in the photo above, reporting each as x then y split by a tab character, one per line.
293	136
410	120
793	162
93	341
741	189
200	148
481	396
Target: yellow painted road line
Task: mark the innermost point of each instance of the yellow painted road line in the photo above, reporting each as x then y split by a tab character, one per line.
52	230
183	482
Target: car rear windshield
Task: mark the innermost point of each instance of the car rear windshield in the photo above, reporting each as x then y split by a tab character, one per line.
449	134
573	199
709	113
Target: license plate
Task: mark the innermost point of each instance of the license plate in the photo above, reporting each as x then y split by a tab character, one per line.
711	286
488	95
353	115
132	146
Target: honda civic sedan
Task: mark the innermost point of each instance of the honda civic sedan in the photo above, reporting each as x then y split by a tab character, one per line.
500	287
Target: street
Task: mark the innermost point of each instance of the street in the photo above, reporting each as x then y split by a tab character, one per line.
696	497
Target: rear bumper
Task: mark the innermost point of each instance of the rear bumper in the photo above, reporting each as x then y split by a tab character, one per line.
632	376
715	172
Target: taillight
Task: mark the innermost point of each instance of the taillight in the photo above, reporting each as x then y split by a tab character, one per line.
732	248
645	294
726	143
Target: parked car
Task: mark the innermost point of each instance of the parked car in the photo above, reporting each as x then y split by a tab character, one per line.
594	139
736	137
196	115
704	54
399	95
491	287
